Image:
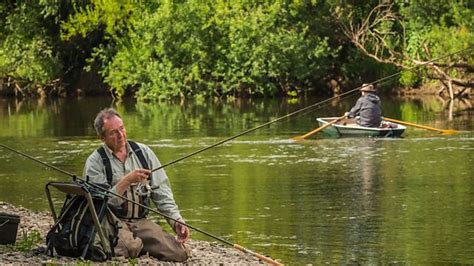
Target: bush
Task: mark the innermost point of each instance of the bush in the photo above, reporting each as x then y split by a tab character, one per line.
26	52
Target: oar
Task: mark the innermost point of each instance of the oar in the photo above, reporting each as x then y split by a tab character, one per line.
319	128
443	131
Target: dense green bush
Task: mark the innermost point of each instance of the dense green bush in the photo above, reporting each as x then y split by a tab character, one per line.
209	47
162	49
435	29
27	56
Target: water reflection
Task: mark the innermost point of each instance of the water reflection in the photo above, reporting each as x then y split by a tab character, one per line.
363	220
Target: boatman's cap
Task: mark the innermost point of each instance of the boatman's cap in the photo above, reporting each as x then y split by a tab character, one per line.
367	87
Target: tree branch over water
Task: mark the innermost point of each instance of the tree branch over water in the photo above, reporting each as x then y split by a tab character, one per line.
387	36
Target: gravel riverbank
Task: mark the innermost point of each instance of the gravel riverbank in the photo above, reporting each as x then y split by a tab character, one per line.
202	252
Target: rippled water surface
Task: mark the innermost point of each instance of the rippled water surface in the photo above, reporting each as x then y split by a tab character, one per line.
324	200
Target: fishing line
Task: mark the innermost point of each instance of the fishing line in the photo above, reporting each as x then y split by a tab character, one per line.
307	109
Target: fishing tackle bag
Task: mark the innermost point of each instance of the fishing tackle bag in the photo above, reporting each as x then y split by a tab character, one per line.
74	234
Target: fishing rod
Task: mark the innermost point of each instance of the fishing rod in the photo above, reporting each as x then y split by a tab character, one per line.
106	191
307	108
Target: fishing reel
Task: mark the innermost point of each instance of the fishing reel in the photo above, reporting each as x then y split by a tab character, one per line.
143	189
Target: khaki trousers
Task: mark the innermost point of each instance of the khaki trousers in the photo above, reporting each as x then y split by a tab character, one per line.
140	236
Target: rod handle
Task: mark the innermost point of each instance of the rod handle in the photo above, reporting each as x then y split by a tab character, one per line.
260	256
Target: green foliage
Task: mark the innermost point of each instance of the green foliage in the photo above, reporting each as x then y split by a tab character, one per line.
437	28
408	33
167	48
109	15
26	50
409	79
28	241
207	47
133	261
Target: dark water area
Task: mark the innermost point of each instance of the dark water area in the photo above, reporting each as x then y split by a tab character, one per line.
407	200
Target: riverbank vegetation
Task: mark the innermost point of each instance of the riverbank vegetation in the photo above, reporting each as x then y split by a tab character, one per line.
163	49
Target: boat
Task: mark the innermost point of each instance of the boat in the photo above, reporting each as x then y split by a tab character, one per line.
349	128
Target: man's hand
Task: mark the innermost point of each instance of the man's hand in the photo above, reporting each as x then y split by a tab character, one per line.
135	176
182	231
138	175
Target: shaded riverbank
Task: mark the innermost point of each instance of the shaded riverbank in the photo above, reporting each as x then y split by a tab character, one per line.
202	252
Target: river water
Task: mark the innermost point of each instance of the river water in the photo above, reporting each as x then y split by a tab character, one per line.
325	200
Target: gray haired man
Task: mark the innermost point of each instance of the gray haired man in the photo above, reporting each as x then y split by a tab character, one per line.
137	235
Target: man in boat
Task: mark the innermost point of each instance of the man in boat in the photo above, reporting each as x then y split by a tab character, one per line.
125	172
367	108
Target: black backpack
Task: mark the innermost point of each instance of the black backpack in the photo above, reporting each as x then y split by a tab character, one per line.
74	233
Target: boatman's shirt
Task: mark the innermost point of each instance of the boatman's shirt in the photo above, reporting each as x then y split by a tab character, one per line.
161	195
369	110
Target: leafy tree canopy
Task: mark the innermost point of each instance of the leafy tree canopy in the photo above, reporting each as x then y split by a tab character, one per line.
161	49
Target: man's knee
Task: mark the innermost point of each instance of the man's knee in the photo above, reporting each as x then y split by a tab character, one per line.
128	245
181	254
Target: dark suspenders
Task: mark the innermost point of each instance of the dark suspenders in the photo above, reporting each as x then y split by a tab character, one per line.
106	162
108	168
139	154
